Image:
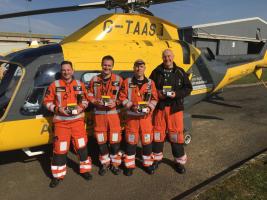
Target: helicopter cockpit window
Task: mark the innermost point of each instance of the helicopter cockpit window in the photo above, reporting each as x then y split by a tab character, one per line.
45	75
86	77
9	77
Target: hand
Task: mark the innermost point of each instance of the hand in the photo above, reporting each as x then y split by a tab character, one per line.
134	108
161	95
149	110
79	110
62	110
98	103
111	104
173	95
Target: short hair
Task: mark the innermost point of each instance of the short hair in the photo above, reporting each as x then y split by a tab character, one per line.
66	62
108	57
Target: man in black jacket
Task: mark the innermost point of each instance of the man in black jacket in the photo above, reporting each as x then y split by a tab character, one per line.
173	85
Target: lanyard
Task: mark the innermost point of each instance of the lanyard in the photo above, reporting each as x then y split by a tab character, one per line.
105	87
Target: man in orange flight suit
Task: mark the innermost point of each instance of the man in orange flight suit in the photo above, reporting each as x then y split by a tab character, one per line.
66	98
173	85
139	96
103	93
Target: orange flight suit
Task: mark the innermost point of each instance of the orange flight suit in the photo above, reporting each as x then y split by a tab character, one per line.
61	94
107	121
138	123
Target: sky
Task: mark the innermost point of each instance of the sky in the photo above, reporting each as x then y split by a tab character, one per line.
184	13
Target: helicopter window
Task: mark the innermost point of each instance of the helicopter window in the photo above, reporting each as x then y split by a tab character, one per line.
10	76
46	74
33	102
87	76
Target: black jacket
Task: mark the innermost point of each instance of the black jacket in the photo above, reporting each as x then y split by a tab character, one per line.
180	84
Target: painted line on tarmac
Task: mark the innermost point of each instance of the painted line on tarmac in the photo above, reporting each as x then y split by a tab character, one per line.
188	194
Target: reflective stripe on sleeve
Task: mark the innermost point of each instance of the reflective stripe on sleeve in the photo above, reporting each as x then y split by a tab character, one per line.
68	118
58	93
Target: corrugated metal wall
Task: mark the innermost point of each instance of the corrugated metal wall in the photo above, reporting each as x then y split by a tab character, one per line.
6	47
212	44
227	47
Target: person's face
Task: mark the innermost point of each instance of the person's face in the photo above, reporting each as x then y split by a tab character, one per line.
167	57
107	66
66	72
139	70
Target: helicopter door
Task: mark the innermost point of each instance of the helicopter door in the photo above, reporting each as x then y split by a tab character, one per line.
10	77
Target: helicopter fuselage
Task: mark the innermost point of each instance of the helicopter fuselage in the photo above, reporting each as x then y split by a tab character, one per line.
25	123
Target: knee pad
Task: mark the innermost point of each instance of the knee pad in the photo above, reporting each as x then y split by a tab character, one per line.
177	150
101	137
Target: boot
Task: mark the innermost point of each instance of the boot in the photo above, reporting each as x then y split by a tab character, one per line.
150	170
87	176
180	168
54	182
155	165
103	170
129	171
115	170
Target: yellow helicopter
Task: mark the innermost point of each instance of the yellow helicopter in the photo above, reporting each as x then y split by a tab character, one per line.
127	36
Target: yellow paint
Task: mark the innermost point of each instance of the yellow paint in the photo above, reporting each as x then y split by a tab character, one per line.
201	91
235	73
85	49
258	73
24	133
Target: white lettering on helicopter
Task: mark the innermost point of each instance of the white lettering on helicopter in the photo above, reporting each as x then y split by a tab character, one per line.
135	28
198	83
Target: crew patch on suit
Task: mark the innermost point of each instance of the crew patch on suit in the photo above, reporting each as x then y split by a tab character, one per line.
97	84
81	142
131	85
77	88
147	138
115	137
157	136
63	146
115	83
60	89
173	138
131	138
100	137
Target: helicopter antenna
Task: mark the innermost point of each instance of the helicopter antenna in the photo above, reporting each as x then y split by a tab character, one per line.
29	22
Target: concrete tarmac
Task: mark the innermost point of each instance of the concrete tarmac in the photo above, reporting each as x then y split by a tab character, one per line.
225	132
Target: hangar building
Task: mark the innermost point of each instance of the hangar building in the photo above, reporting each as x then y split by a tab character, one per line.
14	41
235	37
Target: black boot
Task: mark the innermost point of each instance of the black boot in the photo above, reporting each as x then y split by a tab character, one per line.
115	170
54	182
103	170
150	170
155	165
180	168
129	171
87	176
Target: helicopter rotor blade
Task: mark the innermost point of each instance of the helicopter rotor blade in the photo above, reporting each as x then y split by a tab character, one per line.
100	4
108	4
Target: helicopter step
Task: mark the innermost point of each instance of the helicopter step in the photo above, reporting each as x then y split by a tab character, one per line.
30	153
